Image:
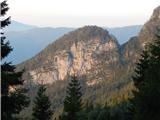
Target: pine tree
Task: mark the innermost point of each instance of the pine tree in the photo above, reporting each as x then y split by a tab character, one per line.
13	98
72	102
145	104
42	106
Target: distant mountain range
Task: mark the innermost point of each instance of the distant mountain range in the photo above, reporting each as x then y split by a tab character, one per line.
18	26
124	33
28	40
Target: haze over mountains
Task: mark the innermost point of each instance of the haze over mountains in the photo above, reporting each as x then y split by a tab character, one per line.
18	26
28	40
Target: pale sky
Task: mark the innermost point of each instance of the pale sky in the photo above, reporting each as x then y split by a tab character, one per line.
76	13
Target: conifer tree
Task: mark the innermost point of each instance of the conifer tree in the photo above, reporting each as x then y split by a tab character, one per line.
42	106
72	102
145	104
13	98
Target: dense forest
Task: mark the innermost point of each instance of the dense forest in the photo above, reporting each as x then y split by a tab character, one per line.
136	98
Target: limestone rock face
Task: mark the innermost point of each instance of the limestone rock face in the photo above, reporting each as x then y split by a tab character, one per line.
77	57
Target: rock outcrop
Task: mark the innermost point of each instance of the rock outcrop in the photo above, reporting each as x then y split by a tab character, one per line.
76	52
135	45
147	34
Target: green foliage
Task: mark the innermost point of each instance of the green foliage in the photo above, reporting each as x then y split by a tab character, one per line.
5	48
4	8
99	112
72	101
13	98
145	105
42	106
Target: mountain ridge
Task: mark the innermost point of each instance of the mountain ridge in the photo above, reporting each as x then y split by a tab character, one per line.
87	34
18	26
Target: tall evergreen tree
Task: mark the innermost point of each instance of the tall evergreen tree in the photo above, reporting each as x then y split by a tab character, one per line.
72	101
42	106
13	98
145	104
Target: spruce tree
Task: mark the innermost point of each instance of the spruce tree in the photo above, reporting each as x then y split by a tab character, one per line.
146	101
72	101
42	106
13	98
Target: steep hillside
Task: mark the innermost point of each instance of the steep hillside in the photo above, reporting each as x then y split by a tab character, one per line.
79	50
147	34
90	52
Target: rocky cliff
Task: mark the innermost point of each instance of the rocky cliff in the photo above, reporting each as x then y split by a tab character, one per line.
147	33
135	45
75	53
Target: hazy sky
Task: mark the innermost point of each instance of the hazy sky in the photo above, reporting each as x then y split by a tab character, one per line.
76	13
